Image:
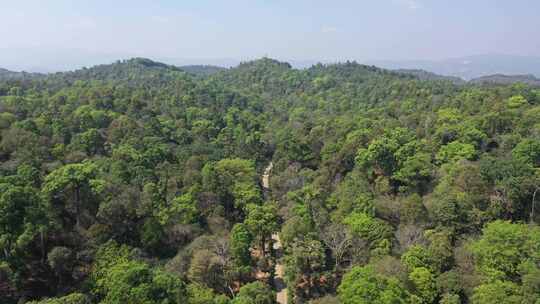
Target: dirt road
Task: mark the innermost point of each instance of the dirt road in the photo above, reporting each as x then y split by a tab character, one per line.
279	277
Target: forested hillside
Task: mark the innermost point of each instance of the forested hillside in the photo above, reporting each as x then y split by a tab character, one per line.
7	74
138	182
507	79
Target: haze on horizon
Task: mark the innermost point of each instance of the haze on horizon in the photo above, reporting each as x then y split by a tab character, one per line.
64	34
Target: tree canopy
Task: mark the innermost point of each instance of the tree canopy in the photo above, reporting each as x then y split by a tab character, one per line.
138	182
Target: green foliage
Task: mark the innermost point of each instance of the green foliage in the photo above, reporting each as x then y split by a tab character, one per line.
305	261
528	151
504	247
23	218
516	101
415	171
74	298
75	184
119	278
241	239
497	292
417	257
373	230
424	284
198	294
455	151
261	220
60	259
459	200
136	282
107	256
352	195
182	209
233	179
381	153
255	293
450	299
151	234
362	285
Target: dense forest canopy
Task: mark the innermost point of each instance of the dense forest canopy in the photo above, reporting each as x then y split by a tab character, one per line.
139	182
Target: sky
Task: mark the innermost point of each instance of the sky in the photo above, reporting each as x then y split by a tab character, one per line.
50	35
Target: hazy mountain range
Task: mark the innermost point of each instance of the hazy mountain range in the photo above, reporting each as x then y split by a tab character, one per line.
467	68
471	66
7	74
482	69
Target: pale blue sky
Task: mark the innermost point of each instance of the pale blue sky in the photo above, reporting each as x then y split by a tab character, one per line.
57	34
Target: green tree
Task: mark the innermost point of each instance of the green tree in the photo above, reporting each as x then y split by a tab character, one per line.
90	141
255	293
528	151
240	240
304	265
415	172
417	257
504	247
182	209
455	151
262	221
516	101
424	284
234	181
373	230
76	185
136	282
362	285
74	298
381	153
61	260
449	298
497	292
198	294
23	217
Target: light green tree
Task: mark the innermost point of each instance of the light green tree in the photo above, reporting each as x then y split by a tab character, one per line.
74	184
503	292
424	284
255	293
362	285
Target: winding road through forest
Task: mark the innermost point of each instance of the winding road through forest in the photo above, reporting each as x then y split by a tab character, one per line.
279	273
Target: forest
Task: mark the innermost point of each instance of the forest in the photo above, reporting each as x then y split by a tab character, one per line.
140	182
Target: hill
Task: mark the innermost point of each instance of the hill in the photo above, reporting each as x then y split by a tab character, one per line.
123	70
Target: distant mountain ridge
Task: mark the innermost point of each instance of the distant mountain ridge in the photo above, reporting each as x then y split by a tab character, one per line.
507	79
7	74
495	79
470	67
143	69
425	75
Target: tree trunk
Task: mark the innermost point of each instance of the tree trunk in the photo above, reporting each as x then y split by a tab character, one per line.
42	241
77	205
263	242
532	208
